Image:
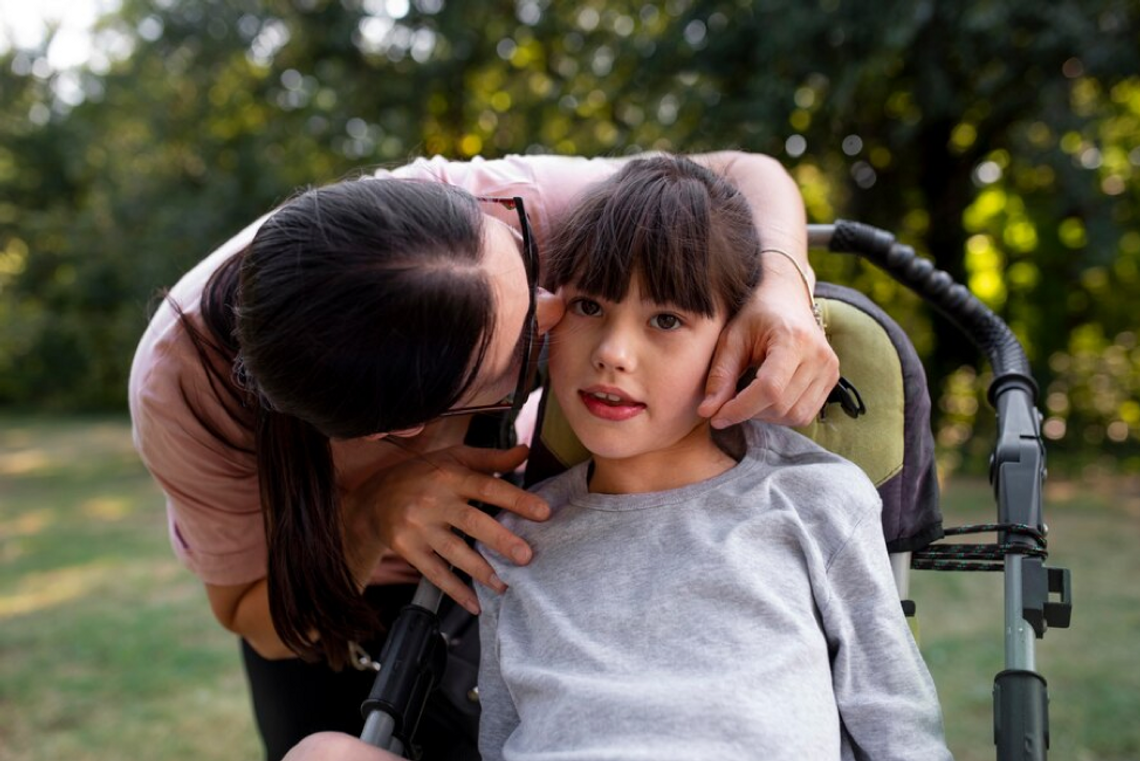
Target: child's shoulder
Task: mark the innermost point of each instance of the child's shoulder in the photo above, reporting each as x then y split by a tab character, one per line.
784	447
810	477
559	488
556	491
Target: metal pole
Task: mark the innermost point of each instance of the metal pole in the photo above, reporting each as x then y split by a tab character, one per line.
1019	635
399	676
378	729
819	235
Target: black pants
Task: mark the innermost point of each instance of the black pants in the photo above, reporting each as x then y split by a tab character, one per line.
293	699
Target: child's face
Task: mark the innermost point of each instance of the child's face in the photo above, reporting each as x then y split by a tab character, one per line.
629	375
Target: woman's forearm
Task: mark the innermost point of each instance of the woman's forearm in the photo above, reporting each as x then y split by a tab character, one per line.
776	202
244	610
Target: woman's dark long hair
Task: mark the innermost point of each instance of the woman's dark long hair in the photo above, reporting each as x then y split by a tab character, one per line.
358	308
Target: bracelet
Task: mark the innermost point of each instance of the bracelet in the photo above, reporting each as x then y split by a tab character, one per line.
816	310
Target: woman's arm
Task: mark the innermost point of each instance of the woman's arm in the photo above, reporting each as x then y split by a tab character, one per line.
777	206
411	508
777	331
244	610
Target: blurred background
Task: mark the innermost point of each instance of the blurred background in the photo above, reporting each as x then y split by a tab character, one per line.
1000	139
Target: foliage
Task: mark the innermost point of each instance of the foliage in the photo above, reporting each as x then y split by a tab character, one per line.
999	138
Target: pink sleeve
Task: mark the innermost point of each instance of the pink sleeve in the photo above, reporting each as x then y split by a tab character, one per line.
212	502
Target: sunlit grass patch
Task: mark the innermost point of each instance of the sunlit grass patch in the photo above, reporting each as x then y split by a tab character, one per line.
1093	682
108	649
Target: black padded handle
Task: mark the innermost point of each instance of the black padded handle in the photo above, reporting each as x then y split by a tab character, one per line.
988	331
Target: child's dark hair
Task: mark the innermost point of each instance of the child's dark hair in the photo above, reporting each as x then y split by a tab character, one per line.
685	231
359	308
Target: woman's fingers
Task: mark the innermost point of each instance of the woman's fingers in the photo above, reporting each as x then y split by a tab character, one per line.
765	391
729	362
796	367
476	485
456	551
786	387
485	529
499	493
487	460
811	396
436	570
418	506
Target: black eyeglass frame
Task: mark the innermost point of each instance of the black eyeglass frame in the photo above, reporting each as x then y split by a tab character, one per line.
530	327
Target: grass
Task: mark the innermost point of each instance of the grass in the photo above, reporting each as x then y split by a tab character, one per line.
107	646
1094	682
108	649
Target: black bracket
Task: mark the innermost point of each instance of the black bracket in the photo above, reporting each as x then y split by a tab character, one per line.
1037	583
847	397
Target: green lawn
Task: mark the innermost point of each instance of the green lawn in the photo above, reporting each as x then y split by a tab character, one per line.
1091	668
108	649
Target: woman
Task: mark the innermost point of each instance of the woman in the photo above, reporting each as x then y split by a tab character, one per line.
304	394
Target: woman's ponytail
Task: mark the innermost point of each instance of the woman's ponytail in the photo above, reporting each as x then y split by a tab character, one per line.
314	601
358	308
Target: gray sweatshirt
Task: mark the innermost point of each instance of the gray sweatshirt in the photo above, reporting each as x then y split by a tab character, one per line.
750	616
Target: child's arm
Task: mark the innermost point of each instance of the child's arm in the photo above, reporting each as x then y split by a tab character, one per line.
884	692
498	717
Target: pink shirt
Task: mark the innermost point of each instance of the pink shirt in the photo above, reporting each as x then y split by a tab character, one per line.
212	501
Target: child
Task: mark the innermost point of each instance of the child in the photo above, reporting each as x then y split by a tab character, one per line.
695	595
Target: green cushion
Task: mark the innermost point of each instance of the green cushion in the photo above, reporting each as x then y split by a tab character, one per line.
557	436
867	358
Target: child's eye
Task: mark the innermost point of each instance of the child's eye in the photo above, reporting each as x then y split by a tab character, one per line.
665	321
586	307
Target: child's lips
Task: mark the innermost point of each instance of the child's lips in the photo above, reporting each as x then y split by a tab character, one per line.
609	404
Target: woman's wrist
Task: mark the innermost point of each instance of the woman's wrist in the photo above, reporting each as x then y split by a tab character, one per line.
358	539
791	276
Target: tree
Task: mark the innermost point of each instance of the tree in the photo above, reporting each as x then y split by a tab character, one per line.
998	138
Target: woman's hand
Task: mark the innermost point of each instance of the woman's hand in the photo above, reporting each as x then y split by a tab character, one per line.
413	507
777	332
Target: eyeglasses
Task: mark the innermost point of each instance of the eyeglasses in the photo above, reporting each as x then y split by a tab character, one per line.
530	328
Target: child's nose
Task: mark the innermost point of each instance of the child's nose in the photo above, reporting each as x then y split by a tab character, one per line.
615	351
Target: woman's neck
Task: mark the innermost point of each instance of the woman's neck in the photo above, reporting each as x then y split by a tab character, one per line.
693	459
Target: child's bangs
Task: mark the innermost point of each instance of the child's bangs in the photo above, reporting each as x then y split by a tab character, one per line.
664	239
685	232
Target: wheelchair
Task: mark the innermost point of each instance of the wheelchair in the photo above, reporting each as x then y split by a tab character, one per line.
879	418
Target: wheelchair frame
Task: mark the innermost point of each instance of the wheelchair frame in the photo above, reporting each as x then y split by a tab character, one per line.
1036	597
